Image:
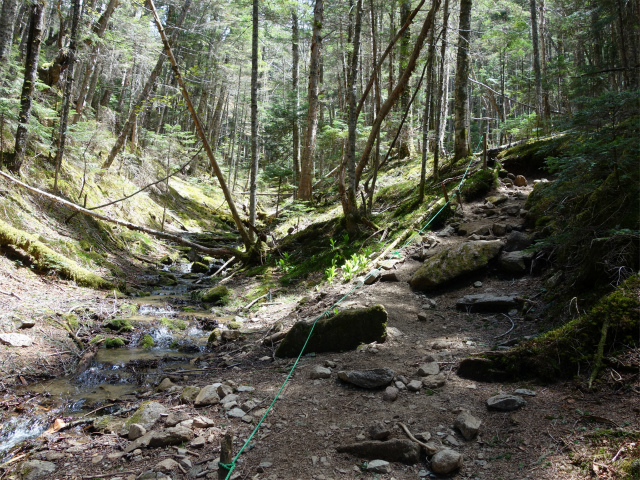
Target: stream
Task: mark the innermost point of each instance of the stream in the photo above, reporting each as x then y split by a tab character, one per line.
179	328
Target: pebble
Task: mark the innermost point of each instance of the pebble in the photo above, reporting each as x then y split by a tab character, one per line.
446	461
414	385
236	413
97	459
477	284
390	394
198	442
320	373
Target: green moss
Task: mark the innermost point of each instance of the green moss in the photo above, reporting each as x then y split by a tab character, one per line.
167	279
173	324
114	343
215	336
199	267
218	295
96	339
478	184
147	341
45	260
564	351
119	325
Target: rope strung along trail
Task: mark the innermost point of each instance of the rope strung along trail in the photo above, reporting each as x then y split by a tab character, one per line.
396	253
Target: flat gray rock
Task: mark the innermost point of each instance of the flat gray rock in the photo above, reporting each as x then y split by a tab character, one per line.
36	469
446	461
468	425
487	302
208	396
525	391
375	378
236	413
175	418
429	368
170	436
16	340
434	381
379	466
505	403
319	372
414	386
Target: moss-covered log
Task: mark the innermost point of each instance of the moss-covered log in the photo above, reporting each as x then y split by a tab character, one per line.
344	331
572	348
45	260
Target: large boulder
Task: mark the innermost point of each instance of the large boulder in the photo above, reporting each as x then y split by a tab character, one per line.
395	450
344	331
453	263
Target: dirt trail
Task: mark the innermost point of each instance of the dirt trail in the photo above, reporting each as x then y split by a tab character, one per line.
299	437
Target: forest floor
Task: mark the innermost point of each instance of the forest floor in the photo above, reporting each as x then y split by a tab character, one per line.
563	432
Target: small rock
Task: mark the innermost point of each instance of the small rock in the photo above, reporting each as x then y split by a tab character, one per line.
423	436
25	324
36	468
208	396
189	394
477	284
525	391
165	384
97	459
414	385
451	440
330	364
174	419
198	442
229	398
379	431
390	394
468	425
136	431
389	277
166	466
378	466
16	340
224	390
185	462
505	403
236	413
247	419
373	277
434	381
170	436
246	388
430	368
520	181
375	378
263	466
202	422
319	373
422	317
446	461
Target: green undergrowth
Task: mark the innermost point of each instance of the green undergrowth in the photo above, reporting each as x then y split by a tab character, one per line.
572	348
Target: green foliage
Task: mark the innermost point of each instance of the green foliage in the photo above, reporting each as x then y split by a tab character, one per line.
114	343
284	263
119	325
355	264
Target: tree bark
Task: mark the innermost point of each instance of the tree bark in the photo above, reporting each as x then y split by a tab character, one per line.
348	192
196	120
254	120
428	112
295	127
142	98
536	57
404	145
441	100
462	146
68	85
34	41
98	30
7	21
306	161
397	91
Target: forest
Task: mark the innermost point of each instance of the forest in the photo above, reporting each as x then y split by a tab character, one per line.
406	231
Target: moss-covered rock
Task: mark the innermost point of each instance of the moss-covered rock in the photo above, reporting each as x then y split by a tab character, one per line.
455	262
344	331
215	336
167	279
218	295
45	260
147	341
189	394
119	325
168	259
114	343
199	267
478	184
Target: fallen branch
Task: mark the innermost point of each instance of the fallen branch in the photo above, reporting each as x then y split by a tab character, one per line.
112	474
221	251
254	301
427	448
513	325
11	294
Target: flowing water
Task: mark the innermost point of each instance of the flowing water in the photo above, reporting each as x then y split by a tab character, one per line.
117	374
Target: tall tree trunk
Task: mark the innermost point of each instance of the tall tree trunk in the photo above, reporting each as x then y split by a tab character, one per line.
392	27
536	57
249	245
34	40
142	97
348	191
68	85
443	80
309	147
462	146
98	30
295	127
376	104
7	21
254	119
404	144
428	111
397	91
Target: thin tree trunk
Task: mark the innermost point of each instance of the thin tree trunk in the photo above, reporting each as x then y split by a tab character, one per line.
348	191
99	30
34	41
404	145
536	57
306	162
142	97
216	168
428	110
462	146
66	99
397	91
7	22
254	119
441	97
295	58
376	105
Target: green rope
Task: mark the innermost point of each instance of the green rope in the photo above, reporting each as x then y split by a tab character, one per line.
231	466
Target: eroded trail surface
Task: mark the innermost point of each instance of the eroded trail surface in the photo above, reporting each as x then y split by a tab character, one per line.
190	395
